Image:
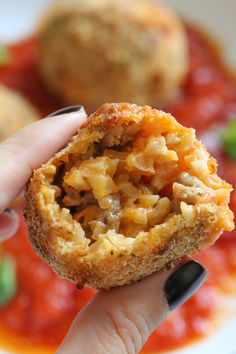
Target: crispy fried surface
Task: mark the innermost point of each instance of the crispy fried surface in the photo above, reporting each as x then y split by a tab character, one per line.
196	215
131	50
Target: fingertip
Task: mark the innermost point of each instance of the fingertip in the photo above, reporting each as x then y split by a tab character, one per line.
127	315
33	145
166	289
76	112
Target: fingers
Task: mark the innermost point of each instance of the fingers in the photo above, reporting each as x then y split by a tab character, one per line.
119	321
32	146
9	221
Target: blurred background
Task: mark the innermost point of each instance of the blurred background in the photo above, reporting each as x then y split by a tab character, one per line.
176	55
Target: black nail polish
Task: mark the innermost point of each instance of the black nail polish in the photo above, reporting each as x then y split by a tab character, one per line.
183	282
65	110
7	210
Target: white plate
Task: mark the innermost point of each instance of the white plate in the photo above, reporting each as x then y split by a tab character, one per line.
18	18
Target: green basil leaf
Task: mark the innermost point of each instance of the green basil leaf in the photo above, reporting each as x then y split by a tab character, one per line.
4	54
228	138
7	279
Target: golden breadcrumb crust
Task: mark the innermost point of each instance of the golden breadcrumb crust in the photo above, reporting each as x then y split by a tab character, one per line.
113	50
15	112
116	260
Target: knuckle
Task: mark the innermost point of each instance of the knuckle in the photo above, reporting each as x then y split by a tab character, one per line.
131	329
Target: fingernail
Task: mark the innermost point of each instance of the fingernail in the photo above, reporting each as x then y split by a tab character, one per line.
69	109
183	283
9	224
8	210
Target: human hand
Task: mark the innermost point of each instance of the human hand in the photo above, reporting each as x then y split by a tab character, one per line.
116	321
27	150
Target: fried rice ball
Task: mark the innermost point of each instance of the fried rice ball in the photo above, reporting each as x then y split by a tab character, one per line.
15	112
113	51
133	192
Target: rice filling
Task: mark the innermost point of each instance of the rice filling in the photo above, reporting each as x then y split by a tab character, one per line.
129	181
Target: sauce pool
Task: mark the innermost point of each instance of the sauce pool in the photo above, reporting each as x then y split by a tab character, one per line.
44	306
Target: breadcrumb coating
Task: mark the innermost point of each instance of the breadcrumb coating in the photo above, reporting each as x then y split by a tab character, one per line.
132	193
112	51
15	112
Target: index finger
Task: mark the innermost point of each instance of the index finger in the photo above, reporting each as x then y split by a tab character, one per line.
32	146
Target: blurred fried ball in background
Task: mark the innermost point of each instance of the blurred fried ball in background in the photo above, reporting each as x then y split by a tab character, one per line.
15	112
99	51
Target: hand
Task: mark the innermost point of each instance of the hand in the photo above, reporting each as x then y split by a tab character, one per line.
117	321
27	150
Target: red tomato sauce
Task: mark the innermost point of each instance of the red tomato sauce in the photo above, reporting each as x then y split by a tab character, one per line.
44	306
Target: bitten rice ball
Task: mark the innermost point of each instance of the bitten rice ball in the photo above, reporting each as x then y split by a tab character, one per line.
15	112
93	52
133	192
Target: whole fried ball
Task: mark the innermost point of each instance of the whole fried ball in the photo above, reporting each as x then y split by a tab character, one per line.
15	112
110	50
132	193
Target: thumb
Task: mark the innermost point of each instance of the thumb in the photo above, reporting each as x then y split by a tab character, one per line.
119	321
